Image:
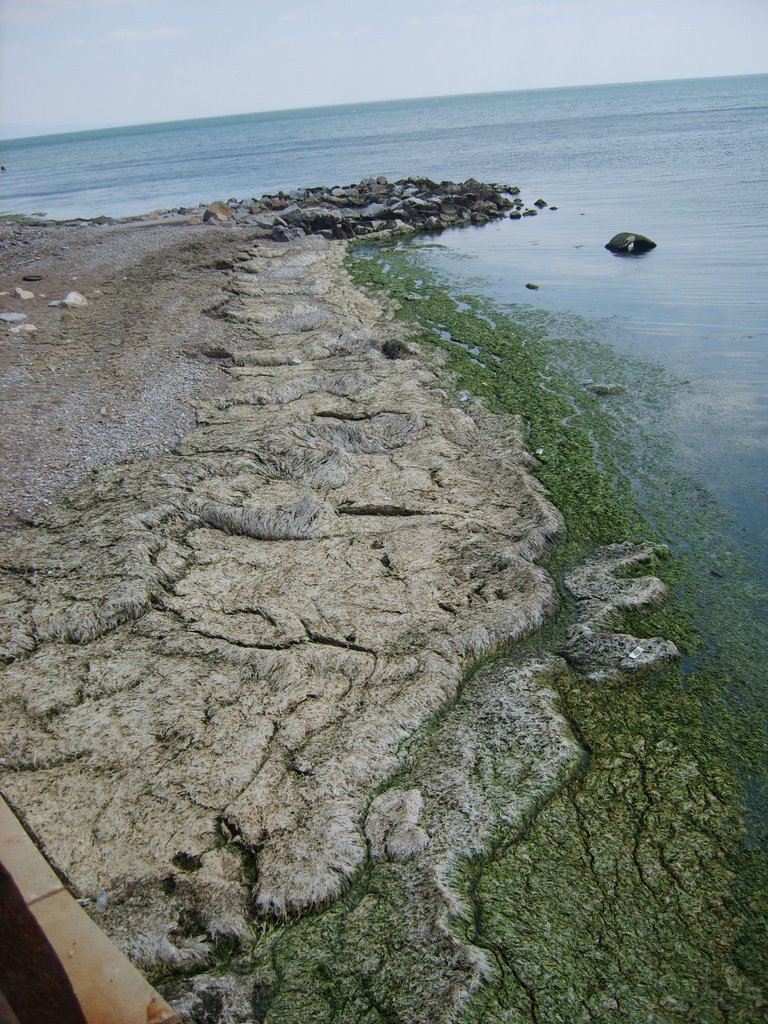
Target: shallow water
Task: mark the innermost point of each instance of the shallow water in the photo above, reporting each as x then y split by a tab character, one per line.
697	304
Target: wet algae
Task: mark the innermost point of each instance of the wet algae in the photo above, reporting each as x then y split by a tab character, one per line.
633	885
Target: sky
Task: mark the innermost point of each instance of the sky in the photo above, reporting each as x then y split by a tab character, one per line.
69	64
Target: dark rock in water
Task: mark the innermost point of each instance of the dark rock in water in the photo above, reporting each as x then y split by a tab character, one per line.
532	286
606	389
515	215
541	203
627	242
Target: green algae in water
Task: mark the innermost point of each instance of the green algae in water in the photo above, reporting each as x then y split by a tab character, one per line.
643	870
631	893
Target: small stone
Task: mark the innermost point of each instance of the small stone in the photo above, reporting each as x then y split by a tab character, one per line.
533	287
12	318
217	212
22	293
541	203
73	299
606	389
374	210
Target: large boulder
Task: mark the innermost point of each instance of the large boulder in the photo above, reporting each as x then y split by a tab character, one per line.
629	242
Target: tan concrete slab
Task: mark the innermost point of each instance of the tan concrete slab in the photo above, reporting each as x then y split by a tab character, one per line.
32	874
109	988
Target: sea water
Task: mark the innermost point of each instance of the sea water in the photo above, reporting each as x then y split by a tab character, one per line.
681	161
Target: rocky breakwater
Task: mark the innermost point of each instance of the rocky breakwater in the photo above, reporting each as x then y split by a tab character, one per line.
375	205
223	665
370	207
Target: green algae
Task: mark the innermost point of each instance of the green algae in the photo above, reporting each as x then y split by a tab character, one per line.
639	887
634	890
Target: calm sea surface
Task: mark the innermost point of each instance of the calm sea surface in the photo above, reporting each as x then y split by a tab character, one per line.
681	161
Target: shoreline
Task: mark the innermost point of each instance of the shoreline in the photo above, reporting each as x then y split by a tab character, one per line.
268	297
343	211
91	409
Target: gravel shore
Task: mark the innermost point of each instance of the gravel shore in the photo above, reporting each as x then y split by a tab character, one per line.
111	381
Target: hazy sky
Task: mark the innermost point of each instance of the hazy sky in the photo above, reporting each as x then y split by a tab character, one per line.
91	63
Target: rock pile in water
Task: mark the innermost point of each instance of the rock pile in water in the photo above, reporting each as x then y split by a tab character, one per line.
351	211
375	204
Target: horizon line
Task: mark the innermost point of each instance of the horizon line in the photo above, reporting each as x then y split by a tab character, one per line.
356	103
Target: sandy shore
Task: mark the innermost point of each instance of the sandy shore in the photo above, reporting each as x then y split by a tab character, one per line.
113	380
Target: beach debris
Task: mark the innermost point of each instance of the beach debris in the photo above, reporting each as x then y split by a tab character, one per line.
280	233
72	300
32	277
12	318
396	348
23	294
218	213
628	244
